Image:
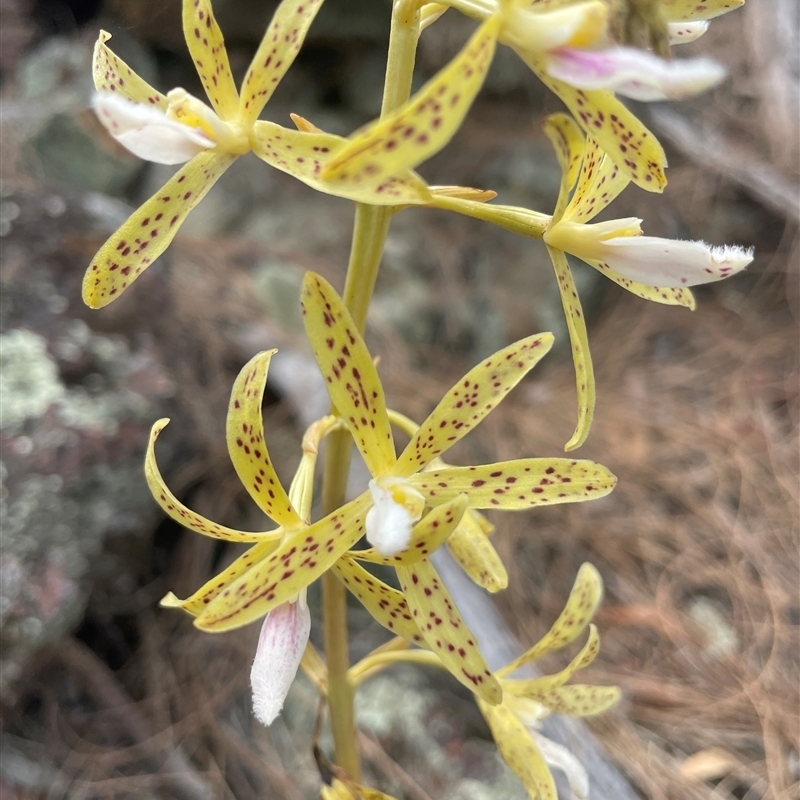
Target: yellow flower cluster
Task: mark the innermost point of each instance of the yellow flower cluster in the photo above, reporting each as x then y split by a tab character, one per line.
415	502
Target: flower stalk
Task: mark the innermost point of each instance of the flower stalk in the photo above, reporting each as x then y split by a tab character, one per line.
370	229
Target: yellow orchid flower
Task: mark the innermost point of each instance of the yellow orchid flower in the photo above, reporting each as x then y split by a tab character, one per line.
527	701
177	128
651	268
390	512
400	490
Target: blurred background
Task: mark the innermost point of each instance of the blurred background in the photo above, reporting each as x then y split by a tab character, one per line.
107	696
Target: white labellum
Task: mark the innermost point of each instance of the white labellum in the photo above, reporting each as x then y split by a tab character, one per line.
397	506
147	132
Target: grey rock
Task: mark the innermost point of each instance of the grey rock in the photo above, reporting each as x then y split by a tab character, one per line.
77	405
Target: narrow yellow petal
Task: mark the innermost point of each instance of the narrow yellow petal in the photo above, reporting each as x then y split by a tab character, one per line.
349	371
301	558
618	132
445	631
579	341
248	448
524	483
385	604
195	604
520	752
567	139
578	700
207	48
474	552
580	608
685	10
275	54
665	295
304	153
426	536
534	687
112	74
470	400
150	229
183	515
426	123
600	182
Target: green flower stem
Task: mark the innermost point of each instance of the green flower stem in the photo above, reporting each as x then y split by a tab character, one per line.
369	236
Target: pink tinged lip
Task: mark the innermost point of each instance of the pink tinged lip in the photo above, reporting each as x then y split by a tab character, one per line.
634	73
283	639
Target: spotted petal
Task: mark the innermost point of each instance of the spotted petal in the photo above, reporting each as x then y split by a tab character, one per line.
385	604
567	139
304	153
445	631
276	53
427	122
579	341
207	48
524	483
470	400
618	132
195	604
471	548
347	367
112	74
150	229
665	295
185	516
680	10
580	608
248	448
426	536
520	752
301	558
533	687
599	183
578	700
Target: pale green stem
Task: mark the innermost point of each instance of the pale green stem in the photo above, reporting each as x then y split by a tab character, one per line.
369	236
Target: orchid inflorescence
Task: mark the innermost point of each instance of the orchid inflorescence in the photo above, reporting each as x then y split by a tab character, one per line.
587	52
